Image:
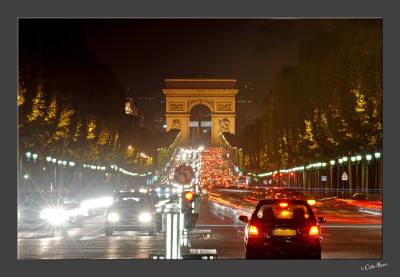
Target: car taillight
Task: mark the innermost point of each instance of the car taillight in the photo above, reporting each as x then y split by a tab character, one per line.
314	231
253	230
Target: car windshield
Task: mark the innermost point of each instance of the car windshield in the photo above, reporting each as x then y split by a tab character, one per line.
131	203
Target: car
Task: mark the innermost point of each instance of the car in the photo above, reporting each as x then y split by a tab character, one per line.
134	213
283	228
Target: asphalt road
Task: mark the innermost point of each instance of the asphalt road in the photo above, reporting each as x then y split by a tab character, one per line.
341	240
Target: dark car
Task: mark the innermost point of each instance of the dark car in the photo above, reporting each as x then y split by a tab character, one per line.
283	228
133	213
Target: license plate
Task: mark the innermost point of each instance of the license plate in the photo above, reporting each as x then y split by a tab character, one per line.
284	232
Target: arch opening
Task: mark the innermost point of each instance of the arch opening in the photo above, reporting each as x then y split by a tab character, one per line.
200	125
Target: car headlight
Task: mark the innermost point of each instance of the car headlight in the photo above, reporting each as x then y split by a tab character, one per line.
113	217
55	216
145	217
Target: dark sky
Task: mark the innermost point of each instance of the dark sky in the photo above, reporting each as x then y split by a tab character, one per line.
142	52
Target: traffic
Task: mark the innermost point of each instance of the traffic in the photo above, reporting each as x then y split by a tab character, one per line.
204	188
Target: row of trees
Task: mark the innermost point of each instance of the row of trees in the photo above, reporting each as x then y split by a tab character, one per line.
328	105
70	105
53	127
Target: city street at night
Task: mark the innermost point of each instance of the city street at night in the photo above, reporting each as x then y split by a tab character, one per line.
200	139
341	240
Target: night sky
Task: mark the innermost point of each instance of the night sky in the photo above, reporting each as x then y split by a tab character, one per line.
142	52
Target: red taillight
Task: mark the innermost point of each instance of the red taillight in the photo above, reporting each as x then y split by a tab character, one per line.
314	231
253	230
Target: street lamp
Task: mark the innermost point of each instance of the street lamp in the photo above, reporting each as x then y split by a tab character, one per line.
71	164
59	162
54	160
377	155
340	161
26	176
368	157
332	162
358	157
48	159
34	156
345	159
353	159
28	155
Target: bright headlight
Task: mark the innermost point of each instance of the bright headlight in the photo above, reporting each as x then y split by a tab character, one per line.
113	217
145	217
55	216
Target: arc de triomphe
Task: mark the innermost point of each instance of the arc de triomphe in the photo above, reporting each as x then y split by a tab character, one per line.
217	94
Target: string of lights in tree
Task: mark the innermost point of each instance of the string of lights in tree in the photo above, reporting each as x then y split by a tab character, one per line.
60	162
318	165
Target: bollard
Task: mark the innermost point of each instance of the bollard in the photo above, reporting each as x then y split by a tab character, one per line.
172	232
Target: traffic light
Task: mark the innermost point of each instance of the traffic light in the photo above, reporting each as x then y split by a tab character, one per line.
188	197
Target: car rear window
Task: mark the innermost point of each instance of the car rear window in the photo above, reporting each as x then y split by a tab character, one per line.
283	211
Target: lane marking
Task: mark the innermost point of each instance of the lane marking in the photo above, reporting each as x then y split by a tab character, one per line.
91	237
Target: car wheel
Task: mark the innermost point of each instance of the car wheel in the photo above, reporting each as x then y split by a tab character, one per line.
108	231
